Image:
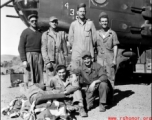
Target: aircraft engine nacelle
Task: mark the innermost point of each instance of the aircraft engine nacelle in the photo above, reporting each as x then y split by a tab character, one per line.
128	53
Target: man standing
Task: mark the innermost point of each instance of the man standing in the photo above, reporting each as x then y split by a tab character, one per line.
67	84
30	51
95	82
81	35
107	42
54	47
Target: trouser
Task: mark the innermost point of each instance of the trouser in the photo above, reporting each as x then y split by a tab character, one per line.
77	97
34	70
103	90
110	69
60	59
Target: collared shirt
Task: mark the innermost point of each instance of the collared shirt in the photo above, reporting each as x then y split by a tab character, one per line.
92	74
105	45
82	37
55	83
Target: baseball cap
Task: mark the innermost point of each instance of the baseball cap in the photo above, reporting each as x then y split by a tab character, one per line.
85	53
53	18
103	15
32	15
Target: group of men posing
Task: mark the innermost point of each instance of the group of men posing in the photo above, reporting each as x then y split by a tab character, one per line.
93	75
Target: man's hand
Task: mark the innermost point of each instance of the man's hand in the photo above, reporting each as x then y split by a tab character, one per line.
49	65
113	63
92	86
65	92
25	64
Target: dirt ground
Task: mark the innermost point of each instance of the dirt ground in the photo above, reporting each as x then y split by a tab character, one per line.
131	102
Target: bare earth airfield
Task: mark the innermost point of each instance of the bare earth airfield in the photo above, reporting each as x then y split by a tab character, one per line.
131	102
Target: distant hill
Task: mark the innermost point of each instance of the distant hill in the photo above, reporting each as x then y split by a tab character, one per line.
11	62
7	57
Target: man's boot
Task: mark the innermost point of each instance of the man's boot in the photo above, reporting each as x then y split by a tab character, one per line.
82	112
102	108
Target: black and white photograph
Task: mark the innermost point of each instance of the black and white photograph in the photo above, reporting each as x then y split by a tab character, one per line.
76	59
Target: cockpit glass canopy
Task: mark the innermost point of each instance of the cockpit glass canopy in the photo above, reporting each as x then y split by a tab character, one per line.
26	4
26	7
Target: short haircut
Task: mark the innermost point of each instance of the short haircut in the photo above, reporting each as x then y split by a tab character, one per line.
59	67
81	5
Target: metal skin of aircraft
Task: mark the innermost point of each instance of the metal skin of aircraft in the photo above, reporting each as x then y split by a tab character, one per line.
131	19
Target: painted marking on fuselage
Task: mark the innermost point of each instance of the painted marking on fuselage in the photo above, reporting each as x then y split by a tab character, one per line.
66	5
100	3
71	10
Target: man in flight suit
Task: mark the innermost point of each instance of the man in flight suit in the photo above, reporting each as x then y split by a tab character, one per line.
107	47
81	35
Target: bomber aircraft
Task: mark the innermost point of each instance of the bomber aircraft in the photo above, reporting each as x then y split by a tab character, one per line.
131	19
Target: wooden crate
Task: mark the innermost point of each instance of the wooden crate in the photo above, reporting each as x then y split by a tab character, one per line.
16	79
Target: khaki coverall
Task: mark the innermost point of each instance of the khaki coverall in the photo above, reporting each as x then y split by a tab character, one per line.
81	37
106	54
54	49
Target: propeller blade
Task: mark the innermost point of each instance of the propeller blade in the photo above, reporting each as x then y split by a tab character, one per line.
6	3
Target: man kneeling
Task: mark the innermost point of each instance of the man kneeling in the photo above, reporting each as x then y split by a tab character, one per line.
96	82
68	84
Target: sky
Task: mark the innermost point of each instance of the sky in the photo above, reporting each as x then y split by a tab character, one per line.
11	29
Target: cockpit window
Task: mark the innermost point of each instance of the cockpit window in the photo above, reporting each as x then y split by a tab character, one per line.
26	7
26	4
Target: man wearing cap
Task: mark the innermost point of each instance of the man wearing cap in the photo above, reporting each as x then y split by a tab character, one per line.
95	82
62	82
107	47
81	35
54	47
30	51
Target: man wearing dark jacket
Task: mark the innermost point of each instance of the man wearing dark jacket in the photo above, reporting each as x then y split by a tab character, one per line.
95	80
30	51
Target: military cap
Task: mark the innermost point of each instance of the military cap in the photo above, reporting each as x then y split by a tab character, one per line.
32	15
103	15
53	18
85	53
81	5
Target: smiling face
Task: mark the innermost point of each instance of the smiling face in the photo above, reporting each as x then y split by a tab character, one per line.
104	23
53	24
33	22
87	60
81	12
61	74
